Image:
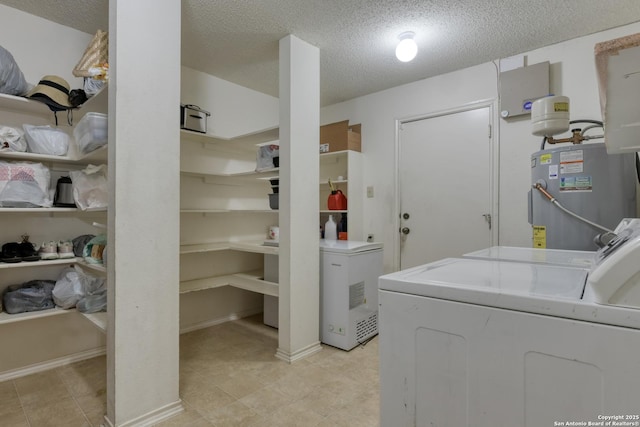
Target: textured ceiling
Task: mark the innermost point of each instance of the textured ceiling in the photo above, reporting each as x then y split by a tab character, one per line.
237	40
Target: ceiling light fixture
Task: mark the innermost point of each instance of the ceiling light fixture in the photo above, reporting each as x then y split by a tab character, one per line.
407	47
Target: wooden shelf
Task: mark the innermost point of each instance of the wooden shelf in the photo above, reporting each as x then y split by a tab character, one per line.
234	175
6	318
335	154
247	141
97	268
20	104
96	156
217	211
203	247
333	211
41	263
98	319
202	284
240	246
23	105
49	210
254	247
250	281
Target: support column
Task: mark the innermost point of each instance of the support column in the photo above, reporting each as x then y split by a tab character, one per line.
299	299
143	217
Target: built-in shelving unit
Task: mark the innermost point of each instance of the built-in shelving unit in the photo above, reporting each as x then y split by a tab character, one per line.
346	164
225	200
15	111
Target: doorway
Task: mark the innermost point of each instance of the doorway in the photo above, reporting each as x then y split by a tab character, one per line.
446	185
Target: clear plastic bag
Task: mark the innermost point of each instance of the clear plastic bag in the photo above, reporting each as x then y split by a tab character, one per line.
73	285
12	80
12	139
34	295
46	140
24	185
265	156
94	250
96	301
90	187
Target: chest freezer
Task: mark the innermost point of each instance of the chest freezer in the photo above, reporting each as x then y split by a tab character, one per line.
349	272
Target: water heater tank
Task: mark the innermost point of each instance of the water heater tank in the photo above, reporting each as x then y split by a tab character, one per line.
587	181
550	116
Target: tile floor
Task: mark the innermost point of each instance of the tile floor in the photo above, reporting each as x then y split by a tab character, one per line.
228	377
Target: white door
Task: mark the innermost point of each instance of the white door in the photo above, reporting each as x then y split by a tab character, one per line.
445	186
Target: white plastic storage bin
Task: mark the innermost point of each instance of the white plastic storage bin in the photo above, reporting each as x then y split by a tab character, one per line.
91	132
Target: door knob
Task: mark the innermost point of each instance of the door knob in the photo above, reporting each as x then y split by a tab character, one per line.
405	230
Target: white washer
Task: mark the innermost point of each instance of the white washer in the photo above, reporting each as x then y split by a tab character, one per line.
480	342
581	259
349	272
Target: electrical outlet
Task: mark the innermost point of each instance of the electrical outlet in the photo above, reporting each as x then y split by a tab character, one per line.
370	192
370	238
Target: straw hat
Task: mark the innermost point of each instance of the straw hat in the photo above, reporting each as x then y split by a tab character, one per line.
53	91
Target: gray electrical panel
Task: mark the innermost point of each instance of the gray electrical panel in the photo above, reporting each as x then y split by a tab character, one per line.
520	87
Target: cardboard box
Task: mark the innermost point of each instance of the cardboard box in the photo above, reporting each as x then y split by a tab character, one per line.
340	136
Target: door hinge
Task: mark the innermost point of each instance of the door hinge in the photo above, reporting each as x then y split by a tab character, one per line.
489	131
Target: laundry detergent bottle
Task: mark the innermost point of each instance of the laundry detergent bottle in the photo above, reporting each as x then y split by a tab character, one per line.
330	229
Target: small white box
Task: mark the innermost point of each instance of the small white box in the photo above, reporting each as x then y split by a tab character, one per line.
91	132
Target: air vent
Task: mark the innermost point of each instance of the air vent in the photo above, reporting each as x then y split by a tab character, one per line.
367	327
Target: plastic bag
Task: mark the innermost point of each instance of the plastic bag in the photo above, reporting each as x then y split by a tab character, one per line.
12	80
34	295
94	302
24	185
46	140
73	285
80	242
12	139
93	251
264	158
90	187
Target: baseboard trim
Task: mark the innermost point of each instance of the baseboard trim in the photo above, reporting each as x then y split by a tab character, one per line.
151	418
300	354
50	364
220	320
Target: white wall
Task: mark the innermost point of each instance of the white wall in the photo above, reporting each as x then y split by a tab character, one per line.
235	110
42	47
572	75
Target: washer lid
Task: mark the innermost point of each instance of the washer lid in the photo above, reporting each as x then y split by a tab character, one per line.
347	246
459	278
583	259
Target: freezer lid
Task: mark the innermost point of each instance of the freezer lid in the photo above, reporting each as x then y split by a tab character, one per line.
347	246
569	258
461	278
